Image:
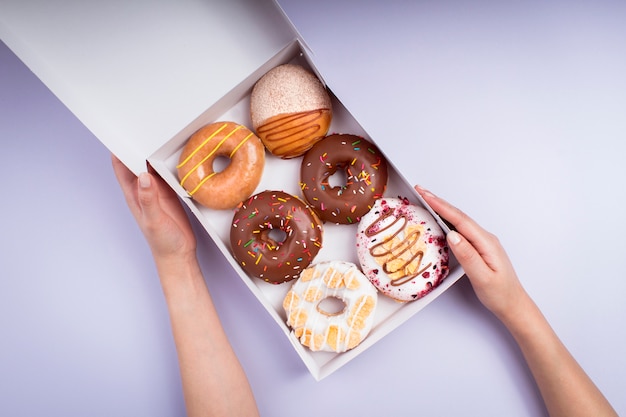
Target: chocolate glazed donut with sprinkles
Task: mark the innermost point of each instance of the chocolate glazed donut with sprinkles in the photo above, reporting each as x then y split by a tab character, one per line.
275	236
365	171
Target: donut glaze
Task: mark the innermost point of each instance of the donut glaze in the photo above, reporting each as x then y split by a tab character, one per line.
401	249
275	236
320	329
225	189
290	110
365	172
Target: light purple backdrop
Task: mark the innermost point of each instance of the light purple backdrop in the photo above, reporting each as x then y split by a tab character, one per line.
513	112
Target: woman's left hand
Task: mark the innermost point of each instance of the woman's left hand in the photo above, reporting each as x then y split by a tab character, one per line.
159	213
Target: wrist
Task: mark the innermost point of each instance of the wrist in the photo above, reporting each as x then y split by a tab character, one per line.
521	311
176	270
169	261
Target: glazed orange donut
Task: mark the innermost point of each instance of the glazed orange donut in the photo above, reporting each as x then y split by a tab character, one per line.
227	188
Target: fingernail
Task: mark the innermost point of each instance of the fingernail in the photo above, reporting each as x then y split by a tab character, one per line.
453	237
424	191
144	180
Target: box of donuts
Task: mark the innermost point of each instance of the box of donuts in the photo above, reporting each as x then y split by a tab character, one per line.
318	223
303	203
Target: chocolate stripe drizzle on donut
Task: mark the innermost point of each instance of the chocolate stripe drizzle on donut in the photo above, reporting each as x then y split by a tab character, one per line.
401	249
401	273
366	177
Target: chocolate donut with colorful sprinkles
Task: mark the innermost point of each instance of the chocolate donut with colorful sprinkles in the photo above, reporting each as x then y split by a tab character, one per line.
275	236
352	158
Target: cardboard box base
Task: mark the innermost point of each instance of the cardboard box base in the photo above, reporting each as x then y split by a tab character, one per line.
279	174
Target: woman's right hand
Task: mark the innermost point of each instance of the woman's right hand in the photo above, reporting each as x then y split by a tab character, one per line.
483	258
496	285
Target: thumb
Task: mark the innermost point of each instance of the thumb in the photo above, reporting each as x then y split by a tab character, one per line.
473	264
147	197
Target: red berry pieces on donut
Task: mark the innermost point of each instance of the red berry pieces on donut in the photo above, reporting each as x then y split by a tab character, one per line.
227	188
401	249
365	170
275	236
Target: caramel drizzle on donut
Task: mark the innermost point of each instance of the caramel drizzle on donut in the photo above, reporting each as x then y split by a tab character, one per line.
210	154
298	127
402	276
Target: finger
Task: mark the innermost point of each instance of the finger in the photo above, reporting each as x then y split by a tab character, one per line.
464	224
165	191
447	211
148	197
123	174
470	259
127	181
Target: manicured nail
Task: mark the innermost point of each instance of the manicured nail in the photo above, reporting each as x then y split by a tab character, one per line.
424	191
144	180
453	237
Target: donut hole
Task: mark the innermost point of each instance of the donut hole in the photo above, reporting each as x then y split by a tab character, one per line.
331	306
339	178
220	163
277	235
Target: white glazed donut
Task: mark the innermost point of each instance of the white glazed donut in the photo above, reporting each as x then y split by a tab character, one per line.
401	249
328	330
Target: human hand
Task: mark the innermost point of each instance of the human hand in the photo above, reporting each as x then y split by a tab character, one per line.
496	285
158	212
483	258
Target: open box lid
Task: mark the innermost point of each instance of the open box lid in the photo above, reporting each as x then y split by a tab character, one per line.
135	72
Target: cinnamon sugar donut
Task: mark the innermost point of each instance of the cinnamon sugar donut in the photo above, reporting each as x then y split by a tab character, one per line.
322	328
290	110
225	189
275	236
401	249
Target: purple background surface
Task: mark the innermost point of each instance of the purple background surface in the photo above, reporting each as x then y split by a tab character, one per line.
513	112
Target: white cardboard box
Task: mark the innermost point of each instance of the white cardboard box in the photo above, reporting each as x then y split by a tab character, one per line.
145	76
